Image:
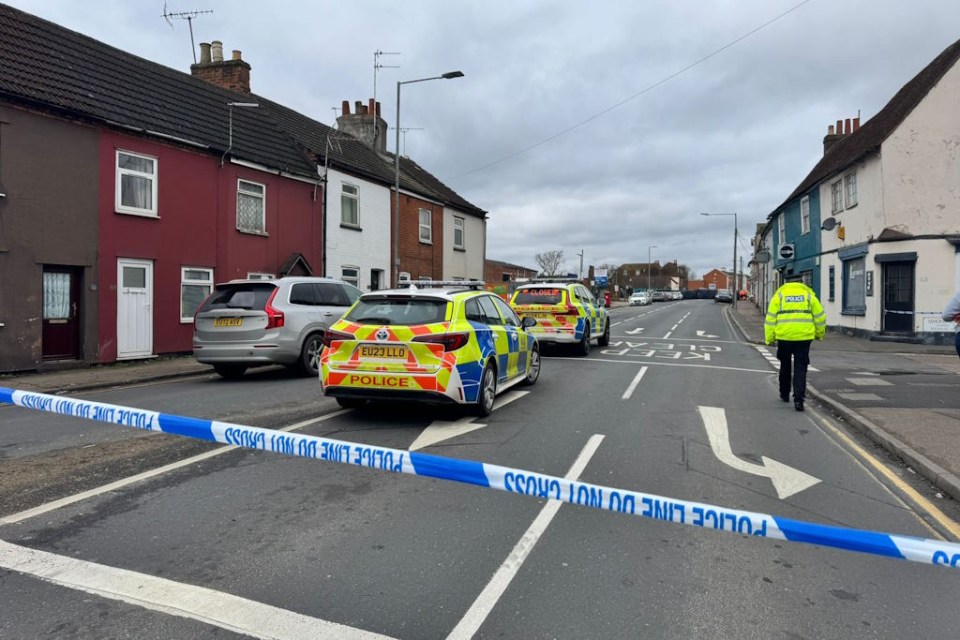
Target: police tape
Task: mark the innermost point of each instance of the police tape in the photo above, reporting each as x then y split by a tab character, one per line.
517	481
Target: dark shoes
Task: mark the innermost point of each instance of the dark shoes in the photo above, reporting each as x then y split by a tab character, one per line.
785	398
798	405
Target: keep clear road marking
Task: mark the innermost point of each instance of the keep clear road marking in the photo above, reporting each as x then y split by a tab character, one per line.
223	610
146	475
633	385
487	600
440	430
786	480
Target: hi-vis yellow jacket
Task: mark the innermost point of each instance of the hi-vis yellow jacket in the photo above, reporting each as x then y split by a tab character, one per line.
794	314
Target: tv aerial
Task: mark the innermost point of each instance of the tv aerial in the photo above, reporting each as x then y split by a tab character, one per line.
188	16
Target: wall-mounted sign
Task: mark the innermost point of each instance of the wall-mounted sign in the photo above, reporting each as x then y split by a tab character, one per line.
786	252
762	256
870	282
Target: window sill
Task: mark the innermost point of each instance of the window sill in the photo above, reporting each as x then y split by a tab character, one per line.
853	312
426	242
262	234
139	214
852	206
352	227
461	249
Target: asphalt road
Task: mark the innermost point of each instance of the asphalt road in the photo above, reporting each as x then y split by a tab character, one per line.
294	545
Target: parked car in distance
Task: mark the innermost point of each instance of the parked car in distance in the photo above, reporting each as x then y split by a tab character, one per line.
723	295
639	299
246	323
659	296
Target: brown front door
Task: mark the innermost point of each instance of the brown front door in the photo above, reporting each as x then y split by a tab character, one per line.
61	321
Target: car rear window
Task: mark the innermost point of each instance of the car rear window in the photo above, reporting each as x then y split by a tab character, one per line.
250	296
544	295
405	311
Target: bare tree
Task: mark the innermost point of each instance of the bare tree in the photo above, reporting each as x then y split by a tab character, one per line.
550	262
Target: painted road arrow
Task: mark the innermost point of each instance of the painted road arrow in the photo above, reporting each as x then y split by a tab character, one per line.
701	334
634	332
440	430
786	480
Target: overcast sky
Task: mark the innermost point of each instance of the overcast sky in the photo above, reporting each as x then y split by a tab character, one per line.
626	152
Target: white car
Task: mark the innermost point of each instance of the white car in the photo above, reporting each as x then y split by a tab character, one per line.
639	299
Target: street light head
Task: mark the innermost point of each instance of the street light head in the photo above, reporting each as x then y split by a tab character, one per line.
452	74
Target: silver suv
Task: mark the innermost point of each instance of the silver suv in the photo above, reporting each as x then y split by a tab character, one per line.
246	323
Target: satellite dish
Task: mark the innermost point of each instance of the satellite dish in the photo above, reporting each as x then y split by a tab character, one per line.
829	224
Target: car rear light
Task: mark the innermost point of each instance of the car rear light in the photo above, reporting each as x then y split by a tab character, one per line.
275	317
450	341
569	311
329	336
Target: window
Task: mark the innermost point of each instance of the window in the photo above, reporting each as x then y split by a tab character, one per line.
488	310
351	275
836	197
458	233
403	276
832	283
781	229
251	212
510	317
376	275
850	189
350	205
196	283
303	293
253	275
854	291
426	226
136	184
805	215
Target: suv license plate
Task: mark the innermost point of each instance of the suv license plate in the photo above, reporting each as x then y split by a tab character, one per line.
228	322
391	352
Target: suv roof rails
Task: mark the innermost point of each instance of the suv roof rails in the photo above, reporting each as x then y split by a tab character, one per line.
435	284
556	279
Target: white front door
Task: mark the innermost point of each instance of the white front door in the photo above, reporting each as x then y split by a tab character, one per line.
134	308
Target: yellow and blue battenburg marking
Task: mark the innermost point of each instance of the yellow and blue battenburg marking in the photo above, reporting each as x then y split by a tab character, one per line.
518	481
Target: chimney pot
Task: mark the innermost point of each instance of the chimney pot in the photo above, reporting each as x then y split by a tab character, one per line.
378	109
204	53
856	123
357	107
365	110
839	127
216	51
830	130
847	127
345	108
236	54
372	108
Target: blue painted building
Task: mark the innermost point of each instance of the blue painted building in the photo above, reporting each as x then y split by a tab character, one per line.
797	222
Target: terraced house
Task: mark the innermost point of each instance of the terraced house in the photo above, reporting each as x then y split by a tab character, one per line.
129	189
874	228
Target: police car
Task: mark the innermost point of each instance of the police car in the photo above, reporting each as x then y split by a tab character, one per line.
434	341
565	310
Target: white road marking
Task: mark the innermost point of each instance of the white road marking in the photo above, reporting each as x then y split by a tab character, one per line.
633	385
669	333
146	475
487	600
223	610
659	364
869	382
634	332
440	430
674	327
618	335
703	334
786	480
861	397
614	324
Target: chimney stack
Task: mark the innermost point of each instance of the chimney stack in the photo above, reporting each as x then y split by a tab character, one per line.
233	74
365	124
836	133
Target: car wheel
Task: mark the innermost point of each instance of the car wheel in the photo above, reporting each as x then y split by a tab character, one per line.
351	403
583	347
230	371
488	390
533	368
309	362
605	338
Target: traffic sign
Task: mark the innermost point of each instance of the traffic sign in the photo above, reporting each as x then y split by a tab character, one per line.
786	251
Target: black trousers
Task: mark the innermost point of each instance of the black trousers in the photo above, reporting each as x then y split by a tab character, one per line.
794	357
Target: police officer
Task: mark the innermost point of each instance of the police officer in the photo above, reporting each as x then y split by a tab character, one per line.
794	318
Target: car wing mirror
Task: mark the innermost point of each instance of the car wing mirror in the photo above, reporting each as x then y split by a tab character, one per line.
528	322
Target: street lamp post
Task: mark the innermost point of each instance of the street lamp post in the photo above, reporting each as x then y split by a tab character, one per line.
396	172
649	269
736	293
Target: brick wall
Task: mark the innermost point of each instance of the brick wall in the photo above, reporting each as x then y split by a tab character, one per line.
420	260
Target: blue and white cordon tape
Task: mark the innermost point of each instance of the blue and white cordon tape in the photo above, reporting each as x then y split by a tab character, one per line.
492	476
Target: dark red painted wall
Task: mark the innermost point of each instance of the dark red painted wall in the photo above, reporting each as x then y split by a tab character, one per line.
197	201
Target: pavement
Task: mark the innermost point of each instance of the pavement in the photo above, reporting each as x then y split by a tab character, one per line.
903	396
